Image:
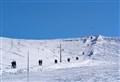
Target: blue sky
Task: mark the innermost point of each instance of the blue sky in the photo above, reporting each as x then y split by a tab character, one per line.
51	19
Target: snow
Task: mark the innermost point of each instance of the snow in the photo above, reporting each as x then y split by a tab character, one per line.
99	63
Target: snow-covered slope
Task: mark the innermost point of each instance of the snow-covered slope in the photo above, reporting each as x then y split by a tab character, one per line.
90	51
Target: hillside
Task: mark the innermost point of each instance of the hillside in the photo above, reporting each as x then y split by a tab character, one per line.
81	52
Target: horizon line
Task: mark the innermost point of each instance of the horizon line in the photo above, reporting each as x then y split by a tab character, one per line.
58	38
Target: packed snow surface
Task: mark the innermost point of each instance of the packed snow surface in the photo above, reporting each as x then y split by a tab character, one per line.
87	59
